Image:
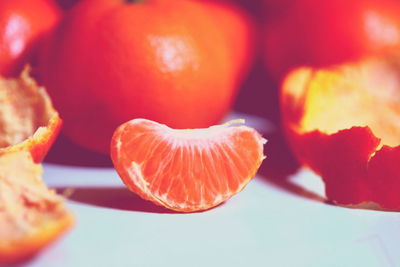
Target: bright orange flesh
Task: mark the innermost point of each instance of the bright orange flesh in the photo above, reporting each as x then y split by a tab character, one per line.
31	216
28	120
186	170
343	122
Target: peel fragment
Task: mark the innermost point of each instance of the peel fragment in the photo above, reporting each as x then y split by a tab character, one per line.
28	120
344	123
31	216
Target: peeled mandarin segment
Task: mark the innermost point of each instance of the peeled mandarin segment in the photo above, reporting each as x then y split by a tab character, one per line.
28	120
31	216
343	122
186	170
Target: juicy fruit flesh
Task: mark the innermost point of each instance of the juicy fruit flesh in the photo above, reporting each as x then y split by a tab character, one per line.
186	170
364	94
23	109
29	212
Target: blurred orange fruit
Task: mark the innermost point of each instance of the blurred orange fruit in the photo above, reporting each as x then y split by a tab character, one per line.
31	216
239	30
22	24
343	123
171	61
322	33
189	169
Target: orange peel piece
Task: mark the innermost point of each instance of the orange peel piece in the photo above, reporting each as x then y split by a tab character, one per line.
31	216
343	122
28	120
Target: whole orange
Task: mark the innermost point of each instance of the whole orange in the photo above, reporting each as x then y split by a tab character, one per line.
324	33
114	60
238	28
22	23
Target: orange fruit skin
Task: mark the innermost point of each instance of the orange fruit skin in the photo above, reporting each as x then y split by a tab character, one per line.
30	245
22	24
169	61
41	145
32	215
321	33
240	31
185	174
352	173
40	142
341	159
355	171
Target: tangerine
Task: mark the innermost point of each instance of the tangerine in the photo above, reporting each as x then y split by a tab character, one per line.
114	60
22	24
322	33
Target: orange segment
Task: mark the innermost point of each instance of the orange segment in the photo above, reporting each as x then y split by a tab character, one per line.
186	170
31	216
28	120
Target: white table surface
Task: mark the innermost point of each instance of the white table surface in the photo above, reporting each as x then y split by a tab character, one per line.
267	224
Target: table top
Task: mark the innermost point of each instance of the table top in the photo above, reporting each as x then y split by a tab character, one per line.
272	222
